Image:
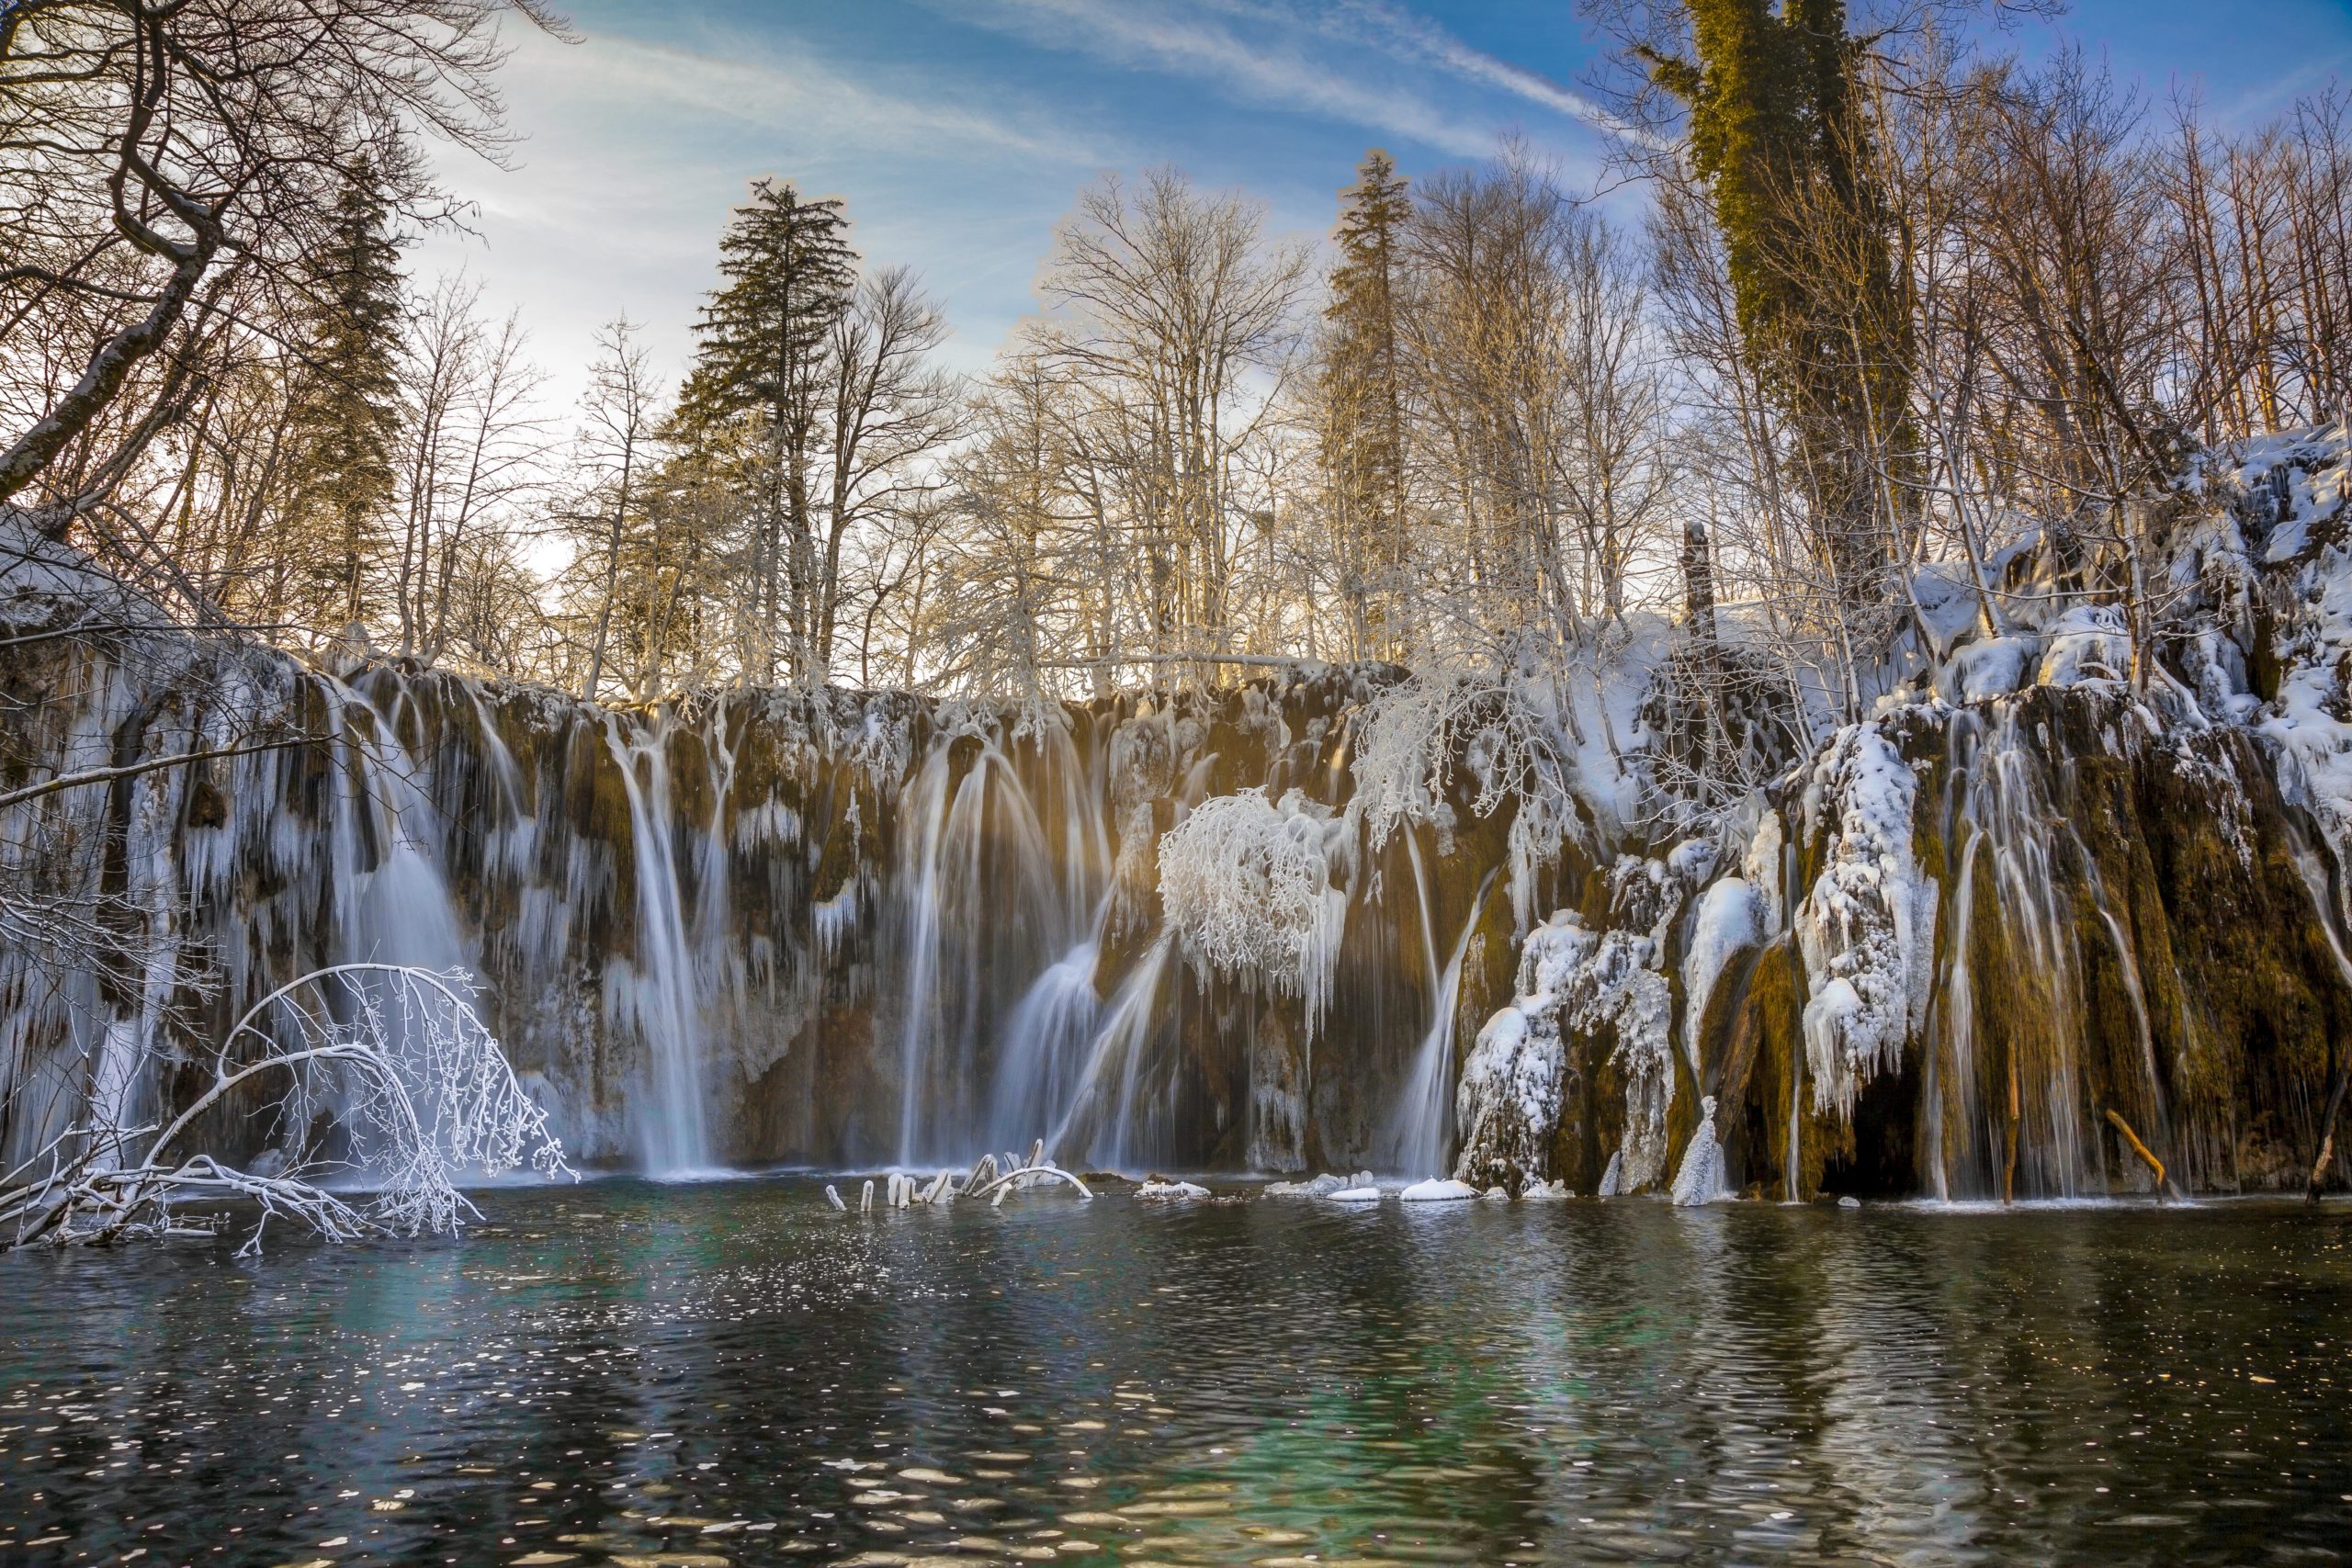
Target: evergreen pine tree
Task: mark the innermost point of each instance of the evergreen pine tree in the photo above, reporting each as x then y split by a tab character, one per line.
1363	425
765	345
345	407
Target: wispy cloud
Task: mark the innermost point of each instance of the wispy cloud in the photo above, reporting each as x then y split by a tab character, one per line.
1264	69
1416	38
813	100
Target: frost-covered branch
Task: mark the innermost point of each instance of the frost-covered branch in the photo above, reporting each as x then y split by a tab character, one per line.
415	1090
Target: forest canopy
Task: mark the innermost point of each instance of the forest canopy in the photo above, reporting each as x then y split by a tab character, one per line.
1873	295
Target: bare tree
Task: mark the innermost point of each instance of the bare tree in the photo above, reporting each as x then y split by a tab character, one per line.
612	455
426	1096
152	151
1179	323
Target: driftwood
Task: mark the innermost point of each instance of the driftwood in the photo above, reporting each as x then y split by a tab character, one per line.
2327	1131
991	1177
2164	1182
1030	1175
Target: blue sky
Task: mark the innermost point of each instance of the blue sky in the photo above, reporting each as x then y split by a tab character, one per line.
959	130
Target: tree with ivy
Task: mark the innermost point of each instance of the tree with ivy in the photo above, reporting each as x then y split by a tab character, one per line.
1360	434
1779	133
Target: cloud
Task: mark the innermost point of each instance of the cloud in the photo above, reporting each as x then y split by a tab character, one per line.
817	102
1260	70
1416	38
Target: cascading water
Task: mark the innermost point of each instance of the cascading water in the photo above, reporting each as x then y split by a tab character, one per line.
1112	1118
1043	1055
2011	1118
992	899
888	946
1420	1140
396	907
658	992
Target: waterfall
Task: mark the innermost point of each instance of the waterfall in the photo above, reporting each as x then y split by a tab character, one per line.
1043	1055
2004	808
1109	1122
1421	1132
1956	1004
991	901
393	900
659	991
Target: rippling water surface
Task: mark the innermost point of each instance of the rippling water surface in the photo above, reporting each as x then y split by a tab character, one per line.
731	1374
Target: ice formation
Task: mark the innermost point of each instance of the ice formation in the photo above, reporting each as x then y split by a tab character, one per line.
1867	925
1438	1191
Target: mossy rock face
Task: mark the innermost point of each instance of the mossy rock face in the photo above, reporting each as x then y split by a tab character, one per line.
2198	999
2148	949
1764	1056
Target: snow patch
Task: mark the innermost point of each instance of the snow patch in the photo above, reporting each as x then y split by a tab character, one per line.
1436	1190
1164	1190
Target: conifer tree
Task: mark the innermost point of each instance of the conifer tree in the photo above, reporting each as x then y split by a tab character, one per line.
766	342
345	404
1363	436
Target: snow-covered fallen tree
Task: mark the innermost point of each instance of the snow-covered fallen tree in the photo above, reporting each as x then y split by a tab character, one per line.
378	1078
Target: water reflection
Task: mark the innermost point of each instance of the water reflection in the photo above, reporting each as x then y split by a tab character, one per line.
733	1375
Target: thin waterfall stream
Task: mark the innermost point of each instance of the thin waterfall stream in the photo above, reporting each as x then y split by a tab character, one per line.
659	991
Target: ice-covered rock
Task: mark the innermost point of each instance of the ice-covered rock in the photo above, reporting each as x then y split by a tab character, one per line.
1979	671
1355	1195
2090	642
1166	1189
1729	920
1575	980
1438	1189
1867	927
1701	1179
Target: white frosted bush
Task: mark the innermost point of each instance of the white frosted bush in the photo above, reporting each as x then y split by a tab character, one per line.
1242	882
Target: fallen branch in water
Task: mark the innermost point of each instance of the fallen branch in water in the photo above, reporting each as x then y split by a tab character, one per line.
991	1177
2327	1124
393	1059
2164	1182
